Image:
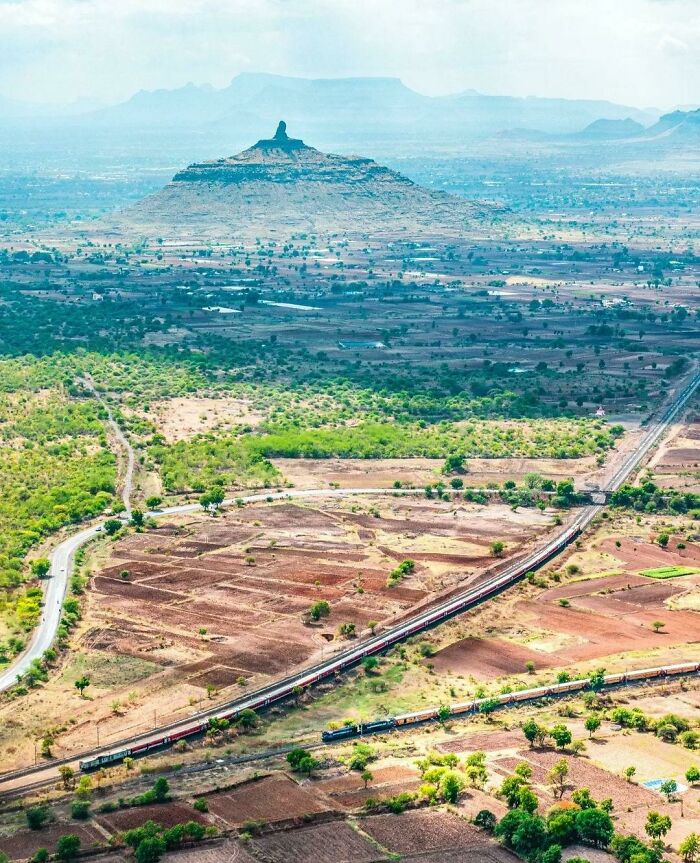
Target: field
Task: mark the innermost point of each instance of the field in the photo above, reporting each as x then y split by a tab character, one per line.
203	608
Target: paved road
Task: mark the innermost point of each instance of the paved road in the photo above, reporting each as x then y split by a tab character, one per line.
421	620
62	564
61	559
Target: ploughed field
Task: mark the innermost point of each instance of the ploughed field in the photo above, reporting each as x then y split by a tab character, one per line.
588	618
207	608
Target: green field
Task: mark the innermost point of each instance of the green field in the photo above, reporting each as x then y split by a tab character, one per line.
670	571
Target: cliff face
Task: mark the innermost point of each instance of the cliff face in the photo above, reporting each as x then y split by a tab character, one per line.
280	185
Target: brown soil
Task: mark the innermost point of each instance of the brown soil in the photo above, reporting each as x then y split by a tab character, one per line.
275	798
323	843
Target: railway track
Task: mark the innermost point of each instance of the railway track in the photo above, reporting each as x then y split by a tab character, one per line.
280	690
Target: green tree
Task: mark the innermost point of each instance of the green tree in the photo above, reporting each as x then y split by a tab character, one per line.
81	684
451	786
692	775
161	789
657	825
67	847
592	724
40	567
150	850
366	776
112	526
497	547
594	827
36	817
530	730
561	735
137	518
557	776
319	609
689	849
662	539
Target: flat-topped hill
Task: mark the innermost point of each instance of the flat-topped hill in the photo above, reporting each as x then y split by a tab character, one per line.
281	184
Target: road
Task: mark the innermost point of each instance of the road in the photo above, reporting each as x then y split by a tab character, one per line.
123	441
62	557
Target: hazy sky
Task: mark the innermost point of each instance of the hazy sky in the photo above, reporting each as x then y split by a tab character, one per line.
642	52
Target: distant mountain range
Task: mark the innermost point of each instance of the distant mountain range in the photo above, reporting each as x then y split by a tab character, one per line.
339	110
380	116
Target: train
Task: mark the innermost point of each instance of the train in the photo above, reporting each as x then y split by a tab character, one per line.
273	694
510	699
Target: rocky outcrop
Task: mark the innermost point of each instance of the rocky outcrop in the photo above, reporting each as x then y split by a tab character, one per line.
280	184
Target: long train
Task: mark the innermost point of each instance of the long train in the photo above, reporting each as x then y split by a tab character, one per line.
523	696
275	693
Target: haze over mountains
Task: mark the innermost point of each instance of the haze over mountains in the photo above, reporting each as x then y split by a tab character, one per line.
347	114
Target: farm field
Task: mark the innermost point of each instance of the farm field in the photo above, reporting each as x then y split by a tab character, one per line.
203	608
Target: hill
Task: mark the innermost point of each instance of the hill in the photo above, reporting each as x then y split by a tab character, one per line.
281	185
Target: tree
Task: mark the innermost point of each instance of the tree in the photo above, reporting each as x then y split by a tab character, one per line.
80	810
527	800
153	501
212	499
486	820
662	539
455	463
247	718
112	526
597	680
689	848
370	664
657	625
451	786
669	788
497	547
557	776
366	776
372	625
510	790
592	724
551	855
81	684
36	817
67	775
530	730
319	609
692	774
161	789
67	847
594	827
137	518
657	825
561	735
150	850
40	567
629	772
443	713
41	856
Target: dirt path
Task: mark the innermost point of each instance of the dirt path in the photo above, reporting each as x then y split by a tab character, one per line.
127	449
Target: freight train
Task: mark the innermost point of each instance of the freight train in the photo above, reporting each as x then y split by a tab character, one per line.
511	699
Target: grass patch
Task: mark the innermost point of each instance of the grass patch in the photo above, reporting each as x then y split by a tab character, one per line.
670	571
110	671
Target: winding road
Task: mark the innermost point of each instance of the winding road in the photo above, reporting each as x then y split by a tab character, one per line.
62	559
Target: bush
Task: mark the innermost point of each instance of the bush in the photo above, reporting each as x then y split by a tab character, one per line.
80	810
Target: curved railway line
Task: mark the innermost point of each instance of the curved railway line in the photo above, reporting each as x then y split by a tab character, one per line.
278	691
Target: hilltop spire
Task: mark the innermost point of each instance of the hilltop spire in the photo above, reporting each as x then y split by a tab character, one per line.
281	133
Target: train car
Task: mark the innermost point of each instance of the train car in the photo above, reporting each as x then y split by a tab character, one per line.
377	725
421	716
614	679
339	733
464	708
644	674
570	686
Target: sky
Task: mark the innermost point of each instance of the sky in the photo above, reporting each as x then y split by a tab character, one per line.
639	52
